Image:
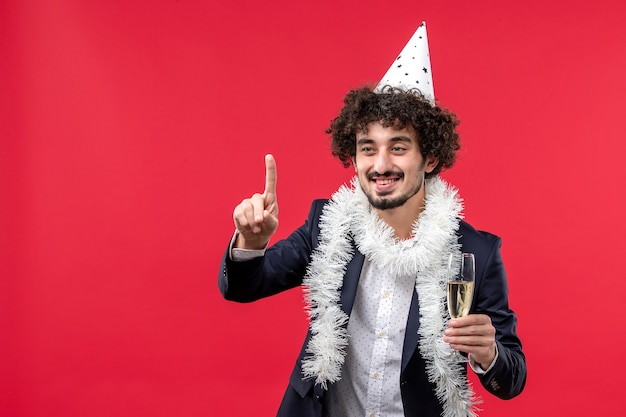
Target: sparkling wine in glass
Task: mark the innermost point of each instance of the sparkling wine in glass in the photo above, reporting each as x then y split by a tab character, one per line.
460	286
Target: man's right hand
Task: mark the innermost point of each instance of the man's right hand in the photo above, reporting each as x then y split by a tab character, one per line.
256	218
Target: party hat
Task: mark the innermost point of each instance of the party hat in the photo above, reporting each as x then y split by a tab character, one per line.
412	67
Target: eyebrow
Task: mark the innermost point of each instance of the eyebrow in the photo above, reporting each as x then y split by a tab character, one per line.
393	139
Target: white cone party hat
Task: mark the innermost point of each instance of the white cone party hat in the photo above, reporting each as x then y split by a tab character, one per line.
412	67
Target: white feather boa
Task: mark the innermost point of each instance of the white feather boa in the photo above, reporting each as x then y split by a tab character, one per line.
348	217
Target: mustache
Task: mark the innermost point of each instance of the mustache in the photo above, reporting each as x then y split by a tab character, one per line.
374	174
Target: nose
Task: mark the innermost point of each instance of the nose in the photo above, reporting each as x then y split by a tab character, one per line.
382	163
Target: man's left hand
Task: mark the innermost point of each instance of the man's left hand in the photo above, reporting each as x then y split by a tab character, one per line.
475	335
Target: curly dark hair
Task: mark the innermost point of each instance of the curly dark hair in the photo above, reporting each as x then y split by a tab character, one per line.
435	126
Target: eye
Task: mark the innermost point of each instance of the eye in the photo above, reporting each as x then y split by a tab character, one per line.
367	150
398	149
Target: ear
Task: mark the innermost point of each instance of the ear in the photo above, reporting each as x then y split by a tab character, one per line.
353	159
431	164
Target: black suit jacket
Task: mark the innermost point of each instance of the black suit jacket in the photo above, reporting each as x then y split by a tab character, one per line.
284	266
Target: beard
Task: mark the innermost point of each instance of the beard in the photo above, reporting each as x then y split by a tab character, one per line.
382	203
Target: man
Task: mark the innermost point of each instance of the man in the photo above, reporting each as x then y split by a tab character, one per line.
373	262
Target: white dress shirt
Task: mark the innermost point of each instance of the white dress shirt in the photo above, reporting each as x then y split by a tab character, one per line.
370	377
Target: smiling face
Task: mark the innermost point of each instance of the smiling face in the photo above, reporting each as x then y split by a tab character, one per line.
391	168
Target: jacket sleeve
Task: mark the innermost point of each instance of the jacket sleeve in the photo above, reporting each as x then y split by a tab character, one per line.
507	377
283	266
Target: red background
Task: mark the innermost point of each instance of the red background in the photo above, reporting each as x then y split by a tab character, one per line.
129	130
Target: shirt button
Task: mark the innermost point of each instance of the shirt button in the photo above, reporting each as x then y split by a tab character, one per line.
376	375
381	335
386	294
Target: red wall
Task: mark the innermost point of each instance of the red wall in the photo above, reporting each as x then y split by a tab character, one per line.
130	129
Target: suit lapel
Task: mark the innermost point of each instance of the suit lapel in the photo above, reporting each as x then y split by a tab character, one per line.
351	281
411	337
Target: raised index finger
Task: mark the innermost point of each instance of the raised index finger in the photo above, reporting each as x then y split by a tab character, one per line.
270	175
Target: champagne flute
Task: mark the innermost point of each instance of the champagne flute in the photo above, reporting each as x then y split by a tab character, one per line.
460	287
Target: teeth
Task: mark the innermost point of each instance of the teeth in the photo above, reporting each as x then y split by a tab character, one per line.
384	182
